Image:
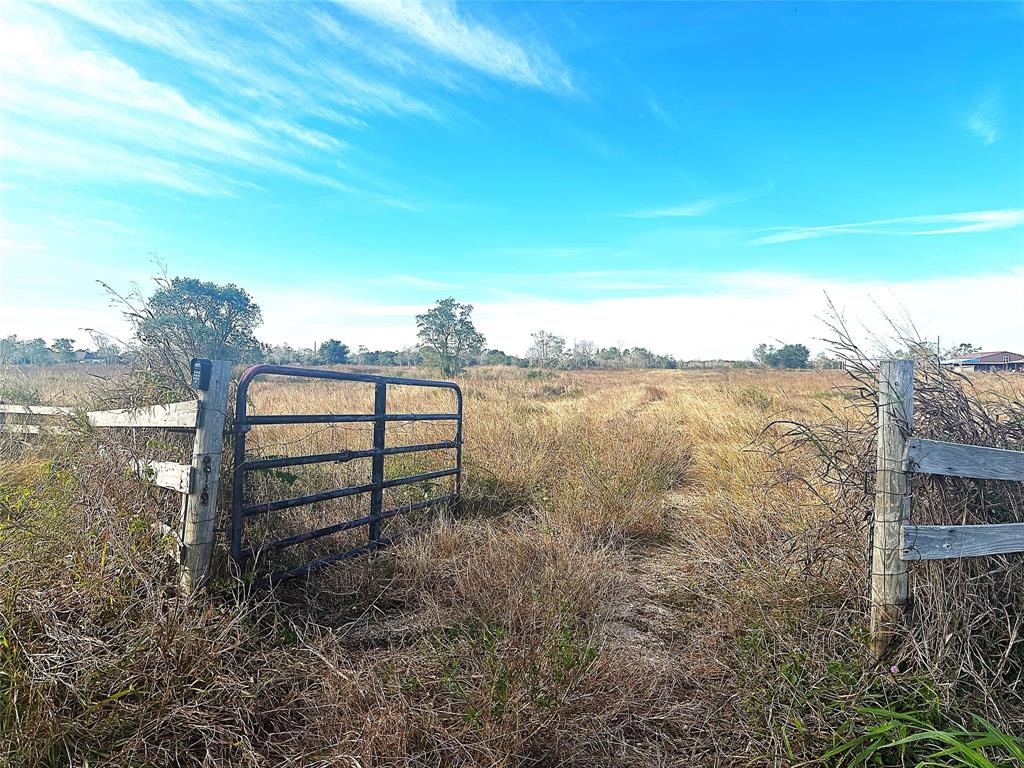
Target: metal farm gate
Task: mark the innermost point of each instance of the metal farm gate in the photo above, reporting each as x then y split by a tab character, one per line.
243	509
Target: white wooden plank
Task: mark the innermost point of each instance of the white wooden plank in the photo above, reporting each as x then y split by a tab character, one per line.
166	474
181	415
36	410
939	458
939	542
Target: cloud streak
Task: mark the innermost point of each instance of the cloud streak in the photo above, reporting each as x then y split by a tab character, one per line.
903	226
686	210
439	27
212	99
696	208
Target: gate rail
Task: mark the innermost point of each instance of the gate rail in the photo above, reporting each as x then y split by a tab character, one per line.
241	511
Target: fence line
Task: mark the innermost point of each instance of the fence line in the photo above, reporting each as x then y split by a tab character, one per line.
894	540
198	482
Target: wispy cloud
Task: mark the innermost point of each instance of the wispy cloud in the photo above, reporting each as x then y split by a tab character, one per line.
441	28
936	224
143	131
410	281
696	208
984	120
211	99
686	210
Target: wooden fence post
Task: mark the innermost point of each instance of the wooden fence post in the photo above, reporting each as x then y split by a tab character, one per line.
199	507
892	500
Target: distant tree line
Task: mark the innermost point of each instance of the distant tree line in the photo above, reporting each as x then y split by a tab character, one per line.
15	351
185	318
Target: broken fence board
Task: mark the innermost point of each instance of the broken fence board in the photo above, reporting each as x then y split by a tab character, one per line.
181	415
935	457
939	542
166	474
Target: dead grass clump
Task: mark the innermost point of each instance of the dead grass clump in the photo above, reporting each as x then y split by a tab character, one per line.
510	447
513	574
613	476
512	643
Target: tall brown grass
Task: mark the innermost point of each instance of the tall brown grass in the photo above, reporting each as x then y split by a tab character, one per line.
633	577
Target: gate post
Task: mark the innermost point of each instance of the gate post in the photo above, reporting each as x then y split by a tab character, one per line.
892	501
380	407
199	507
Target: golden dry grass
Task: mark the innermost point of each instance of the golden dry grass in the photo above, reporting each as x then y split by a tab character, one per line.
631	579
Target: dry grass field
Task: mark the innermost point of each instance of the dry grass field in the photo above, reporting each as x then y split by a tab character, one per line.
638	574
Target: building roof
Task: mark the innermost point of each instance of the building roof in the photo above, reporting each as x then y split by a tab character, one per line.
979	357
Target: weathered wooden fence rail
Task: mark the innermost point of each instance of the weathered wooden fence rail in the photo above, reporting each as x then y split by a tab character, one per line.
895	542
170	416
198	481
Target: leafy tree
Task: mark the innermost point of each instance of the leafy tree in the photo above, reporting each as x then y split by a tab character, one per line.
787	356
333	352
495	357
790	356
186	318
408	356
582	355
961	350
286	354
35	352
546	349
64	350
638	357
9	349
823	360
108	350
762	353
448	338
610	357
665	361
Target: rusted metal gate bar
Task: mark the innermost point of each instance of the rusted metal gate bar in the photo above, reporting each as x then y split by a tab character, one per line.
241	510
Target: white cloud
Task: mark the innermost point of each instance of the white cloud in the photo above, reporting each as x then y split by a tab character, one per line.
139	75
44	151
984	120
40	57
11	247
439	27
933	224
697	208
141	131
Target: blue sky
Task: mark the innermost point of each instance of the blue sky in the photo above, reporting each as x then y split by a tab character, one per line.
685	176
